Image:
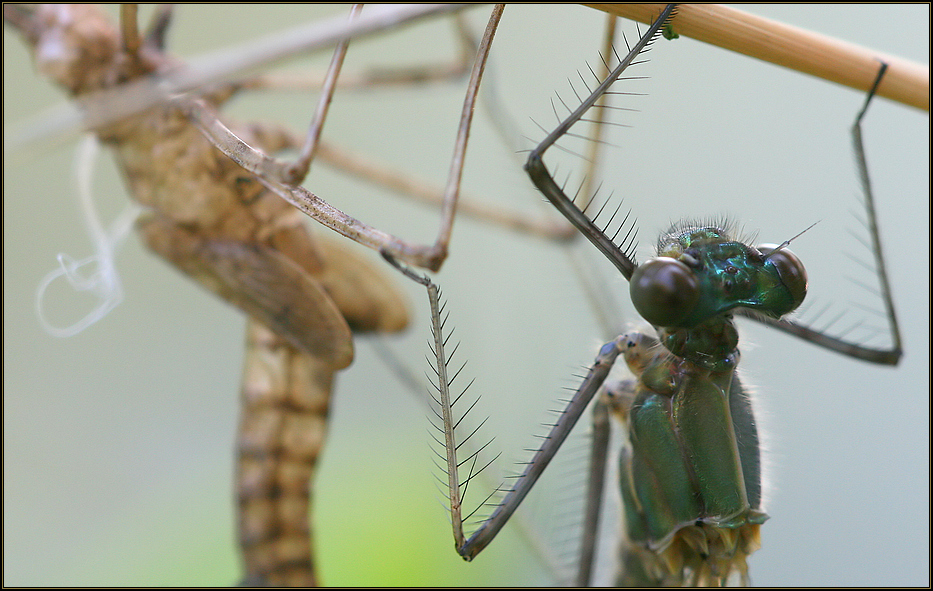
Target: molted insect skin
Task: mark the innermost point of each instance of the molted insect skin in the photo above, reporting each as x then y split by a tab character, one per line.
286	396
216	223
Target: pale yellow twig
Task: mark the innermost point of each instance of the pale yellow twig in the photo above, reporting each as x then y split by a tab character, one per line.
805	51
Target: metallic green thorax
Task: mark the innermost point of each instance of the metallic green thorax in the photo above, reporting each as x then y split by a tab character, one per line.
691	476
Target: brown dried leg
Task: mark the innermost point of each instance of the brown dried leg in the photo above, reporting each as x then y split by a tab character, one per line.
269	171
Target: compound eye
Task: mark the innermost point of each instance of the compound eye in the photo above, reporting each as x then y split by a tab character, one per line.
791	271
664	291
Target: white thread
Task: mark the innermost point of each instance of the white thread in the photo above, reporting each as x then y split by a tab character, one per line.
104	281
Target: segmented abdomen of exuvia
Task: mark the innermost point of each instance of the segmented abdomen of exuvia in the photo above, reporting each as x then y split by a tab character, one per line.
286	395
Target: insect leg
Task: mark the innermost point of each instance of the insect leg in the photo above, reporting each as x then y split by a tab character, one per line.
264	167
886	356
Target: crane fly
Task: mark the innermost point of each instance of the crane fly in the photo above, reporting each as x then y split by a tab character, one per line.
67	502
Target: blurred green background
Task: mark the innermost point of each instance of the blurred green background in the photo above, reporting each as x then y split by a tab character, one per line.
118	442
